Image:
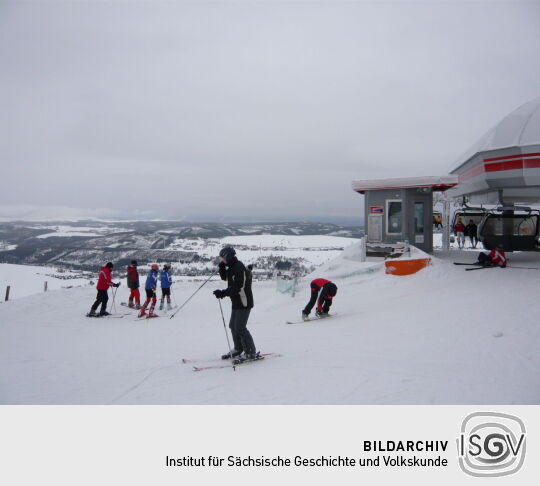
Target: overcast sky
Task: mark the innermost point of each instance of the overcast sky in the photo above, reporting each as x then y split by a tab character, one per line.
261	110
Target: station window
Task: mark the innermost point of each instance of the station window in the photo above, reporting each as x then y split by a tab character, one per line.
419	218
393	222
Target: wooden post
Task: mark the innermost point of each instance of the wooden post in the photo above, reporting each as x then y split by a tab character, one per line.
45	286
7	293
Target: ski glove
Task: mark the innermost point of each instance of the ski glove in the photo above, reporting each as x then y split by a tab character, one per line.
219	294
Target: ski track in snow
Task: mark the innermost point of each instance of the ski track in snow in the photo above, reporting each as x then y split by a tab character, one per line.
429	338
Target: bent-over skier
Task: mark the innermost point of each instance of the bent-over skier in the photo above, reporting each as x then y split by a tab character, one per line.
328	292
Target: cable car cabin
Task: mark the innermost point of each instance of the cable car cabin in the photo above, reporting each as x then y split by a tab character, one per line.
516	231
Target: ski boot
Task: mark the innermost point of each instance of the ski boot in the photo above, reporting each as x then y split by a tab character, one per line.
161	305
131	306
104	313
305	317
92	314
232	354
142	313
169	306
247	357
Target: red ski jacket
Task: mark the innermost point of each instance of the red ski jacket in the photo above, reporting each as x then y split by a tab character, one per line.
320	282
132	277
459	228
104	279
497	257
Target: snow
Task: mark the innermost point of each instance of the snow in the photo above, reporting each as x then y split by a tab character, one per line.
68	231
27	280
441	336
314	249
5	246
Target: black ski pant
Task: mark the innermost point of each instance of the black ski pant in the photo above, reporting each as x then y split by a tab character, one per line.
484	260
102	298
474	241
241	336
314	294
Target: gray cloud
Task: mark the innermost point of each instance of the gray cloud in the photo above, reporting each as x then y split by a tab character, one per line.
246	109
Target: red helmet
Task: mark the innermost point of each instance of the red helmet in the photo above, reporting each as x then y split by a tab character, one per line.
155	267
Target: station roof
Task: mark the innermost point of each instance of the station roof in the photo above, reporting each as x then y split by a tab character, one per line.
519	129
436	183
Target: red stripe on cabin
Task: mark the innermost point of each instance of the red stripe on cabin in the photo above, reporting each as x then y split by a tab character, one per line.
501	166
505	157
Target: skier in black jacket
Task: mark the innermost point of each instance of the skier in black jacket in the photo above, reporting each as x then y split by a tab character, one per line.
238	279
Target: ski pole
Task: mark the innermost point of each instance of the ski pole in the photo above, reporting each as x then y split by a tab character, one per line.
204	283
113	305
226	335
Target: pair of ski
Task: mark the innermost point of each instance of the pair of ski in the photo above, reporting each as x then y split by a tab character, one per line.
476	266
146	316
109	316
229	364
310	319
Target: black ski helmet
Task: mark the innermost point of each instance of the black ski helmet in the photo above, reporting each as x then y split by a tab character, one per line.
166	267
109	265
227	253
332	289
134	263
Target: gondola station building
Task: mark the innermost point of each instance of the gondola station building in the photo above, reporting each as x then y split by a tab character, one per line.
500	175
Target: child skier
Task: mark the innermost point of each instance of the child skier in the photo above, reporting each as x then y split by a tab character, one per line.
166	282
133	285
150	288
328	292
104	282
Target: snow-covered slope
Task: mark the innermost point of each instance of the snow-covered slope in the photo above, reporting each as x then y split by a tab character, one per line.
25	280
441	336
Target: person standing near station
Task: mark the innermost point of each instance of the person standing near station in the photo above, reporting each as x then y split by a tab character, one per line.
472	230
238	279
328	291
166	283
150	288
133	285
459	231
495	258
104	282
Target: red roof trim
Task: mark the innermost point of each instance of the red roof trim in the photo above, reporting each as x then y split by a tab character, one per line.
437	187
500	166
505	157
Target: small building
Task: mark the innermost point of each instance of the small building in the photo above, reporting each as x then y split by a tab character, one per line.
401	209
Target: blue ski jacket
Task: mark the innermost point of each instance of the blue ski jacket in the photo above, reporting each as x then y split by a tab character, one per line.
151	280
165	279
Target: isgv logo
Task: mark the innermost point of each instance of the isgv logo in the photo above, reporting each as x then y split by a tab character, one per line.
491	444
